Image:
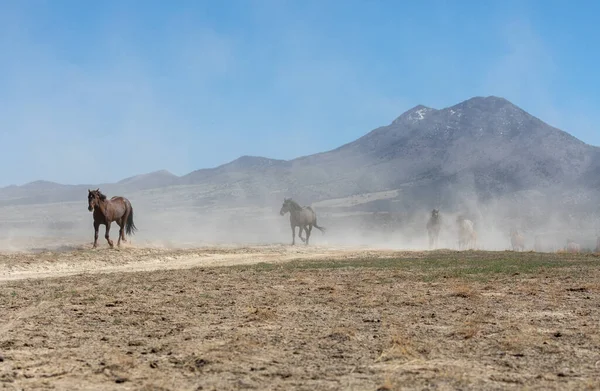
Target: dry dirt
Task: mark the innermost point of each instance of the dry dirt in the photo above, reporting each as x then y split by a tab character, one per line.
282	317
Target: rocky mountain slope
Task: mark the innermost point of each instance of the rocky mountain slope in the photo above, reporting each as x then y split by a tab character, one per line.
482	148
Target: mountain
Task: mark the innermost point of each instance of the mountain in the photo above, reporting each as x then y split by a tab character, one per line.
488	145
480	149
151	180
235	170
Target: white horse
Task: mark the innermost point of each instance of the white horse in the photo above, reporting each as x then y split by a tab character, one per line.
573	247
517	240
467	237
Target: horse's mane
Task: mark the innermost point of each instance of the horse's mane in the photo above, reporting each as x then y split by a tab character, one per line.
101	195
294	204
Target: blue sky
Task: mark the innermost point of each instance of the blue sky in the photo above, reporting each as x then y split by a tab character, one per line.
98	91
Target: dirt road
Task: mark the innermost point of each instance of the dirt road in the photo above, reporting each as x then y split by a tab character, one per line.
85	260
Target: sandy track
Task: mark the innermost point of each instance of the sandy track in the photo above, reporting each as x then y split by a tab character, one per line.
85	260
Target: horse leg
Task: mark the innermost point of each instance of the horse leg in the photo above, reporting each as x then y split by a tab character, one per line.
293	235
96	228
300	233
121	224
107	234
308	233
121	227
124	224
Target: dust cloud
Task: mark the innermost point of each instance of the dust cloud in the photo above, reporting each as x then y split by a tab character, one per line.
192	216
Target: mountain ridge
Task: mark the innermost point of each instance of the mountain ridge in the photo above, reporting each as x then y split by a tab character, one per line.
416	113
484	145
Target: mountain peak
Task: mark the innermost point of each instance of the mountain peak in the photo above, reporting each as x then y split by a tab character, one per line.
151	176
252	161
415	114
483	102
41	184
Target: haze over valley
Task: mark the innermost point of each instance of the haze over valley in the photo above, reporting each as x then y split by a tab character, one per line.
484	158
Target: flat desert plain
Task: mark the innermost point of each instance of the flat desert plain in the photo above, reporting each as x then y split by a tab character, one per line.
298	318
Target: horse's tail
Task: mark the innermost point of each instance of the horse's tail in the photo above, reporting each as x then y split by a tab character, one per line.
130	227
322	229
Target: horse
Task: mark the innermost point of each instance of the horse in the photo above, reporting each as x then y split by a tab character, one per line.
598	244
573	247
517	240
302	217
466	233
433	228
105	211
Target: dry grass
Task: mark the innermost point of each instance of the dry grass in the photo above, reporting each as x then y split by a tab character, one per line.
260	314
400	347
443	320
469	329
464	291
342	333
386	386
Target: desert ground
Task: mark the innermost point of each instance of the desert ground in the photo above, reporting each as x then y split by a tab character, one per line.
277	317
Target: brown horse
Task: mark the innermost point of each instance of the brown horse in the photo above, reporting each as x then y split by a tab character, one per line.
106	211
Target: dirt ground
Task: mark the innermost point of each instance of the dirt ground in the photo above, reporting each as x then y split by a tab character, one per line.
282	317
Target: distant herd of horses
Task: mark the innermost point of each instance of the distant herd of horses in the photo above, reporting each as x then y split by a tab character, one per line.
119	210
467	236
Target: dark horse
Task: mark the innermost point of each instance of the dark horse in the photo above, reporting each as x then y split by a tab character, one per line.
106	211
303	217
433	228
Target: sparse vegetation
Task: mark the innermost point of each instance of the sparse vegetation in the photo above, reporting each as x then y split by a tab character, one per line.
432	265
336	319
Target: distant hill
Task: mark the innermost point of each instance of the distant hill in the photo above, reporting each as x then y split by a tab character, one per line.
162	178
480	149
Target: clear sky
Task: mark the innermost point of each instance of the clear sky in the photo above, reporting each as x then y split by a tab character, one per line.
95	91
